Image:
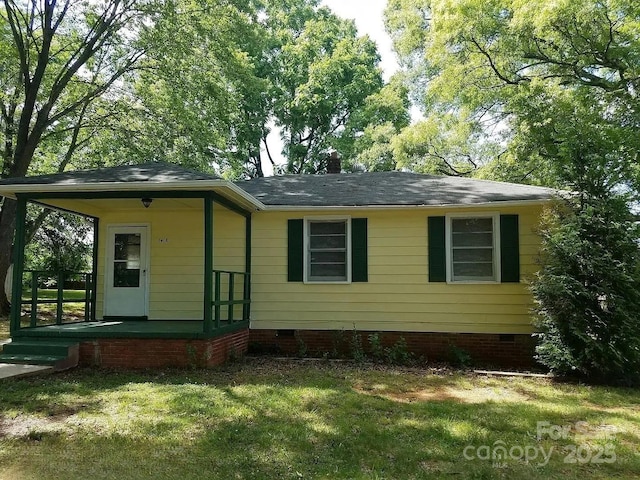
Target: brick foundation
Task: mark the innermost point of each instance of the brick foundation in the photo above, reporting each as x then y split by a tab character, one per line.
160	352
493	349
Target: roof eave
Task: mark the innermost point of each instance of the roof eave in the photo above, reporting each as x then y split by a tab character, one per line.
257	204
247	199
501	203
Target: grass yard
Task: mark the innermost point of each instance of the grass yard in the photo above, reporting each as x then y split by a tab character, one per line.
72	311
52	294
267	419
4	328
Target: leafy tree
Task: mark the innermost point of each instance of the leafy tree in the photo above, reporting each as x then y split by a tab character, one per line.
188	97
485	62
63	242
366	143
587	293
441	144
325	74
218	76
58	58
588	289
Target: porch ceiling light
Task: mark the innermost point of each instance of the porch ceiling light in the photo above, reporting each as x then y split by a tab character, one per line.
146	202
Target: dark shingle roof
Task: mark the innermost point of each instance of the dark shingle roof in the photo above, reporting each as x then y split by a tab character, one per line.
347	189
386	188
156	172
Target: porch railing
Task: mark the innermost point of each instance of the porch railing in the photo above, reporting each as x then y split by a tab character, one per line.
231	298
37	294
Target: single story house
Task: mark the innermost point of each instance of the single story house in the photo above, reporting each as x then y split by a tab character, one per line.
189	267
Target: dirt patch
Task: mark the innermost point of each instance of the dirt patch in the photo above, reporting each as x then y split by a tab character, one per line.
31	427
445	393
57	419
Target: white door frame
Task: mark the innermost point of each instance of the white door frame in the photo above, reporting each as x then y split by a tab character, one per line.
145	251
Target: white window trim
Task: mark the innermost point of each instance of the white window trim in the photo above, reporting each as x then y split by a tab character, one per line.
495	216
305	234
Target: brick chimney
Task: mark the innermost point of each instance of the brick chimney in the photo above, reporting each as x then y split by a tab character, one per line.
333	163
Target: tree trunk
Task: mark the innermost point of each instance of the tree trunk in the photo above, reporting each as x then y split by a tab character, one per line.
7	226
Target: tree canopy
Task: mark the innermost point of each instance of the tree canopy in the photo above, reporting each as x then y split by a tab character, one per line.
219	77
197	82
500	67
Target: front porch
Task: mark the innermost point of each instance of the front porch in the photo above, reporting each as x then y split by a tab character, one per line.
193	329
71	313
171	261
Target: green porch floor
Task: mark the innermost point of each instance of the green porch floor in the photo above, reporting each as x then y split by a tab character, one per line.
129	329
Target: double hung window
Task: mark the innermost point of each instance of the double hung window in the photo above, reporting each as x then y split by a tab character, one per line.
327	250
472	249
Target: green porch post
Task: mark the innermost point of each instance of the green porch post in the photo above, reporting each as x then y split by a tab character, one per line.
94	270
247	268
18	265
208	263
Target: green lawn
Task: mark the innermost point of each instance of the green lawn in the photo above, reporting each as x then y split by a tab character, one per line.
72	311
4	328
265	419
52	294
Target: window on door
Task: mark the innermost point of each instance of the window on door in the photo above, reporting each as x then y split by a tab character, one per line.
126	260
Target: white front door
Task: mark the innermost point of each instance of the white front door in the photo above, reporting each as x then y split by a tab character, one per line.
126	271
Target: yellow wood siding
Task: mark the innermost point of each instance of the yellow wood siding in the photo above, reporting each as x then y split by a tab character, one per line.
229	254
398	295
176	255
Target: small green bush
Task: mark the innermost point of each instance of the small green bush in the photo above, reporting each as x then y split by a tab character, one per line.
357	351
399	353
302	347
375	344
459	357
337	343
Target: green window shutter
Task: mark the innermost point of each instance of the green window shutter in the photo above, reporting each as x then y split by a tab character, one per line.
359	264
437	250
295	250
509	249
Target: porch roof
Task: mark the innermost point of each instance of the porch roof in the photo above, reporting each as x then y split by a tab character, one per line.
147	177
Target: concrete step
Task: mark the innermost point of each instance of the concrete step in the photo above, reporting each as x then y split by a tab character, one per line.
20	370
30	359
61	355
